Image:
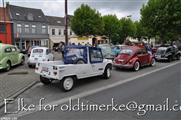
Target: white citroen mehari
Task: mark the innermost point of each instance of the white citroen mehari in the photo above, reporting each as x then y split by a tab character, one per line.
79	62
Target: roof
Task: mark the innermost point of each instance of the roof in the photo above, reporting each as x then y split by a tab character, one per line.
26	14
57	21
134	48
4	12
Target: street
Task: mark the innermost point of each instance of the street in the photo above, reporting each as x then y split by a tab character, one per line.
152	88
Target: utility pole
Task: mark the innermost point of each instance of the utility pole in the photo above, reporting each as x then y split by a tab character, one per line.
66	23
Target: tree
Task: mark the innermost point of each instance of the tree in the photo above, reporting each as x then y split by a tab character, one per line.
111	27
127	28
162	18
140	30
86	21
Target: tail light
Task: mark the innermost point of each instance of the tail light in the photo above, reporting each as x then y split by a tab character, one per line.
55	68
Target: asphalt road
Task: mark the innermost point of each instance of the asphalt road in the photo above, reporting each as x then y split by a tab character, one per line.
151	89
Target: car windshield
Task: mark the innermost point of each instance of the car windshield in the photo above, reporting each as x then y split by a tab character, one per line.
126	51
75	52
38	51
161	51
106	48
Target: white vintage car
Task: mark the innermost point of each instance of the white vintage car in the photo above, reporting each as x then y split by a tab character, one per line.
39	54
79	62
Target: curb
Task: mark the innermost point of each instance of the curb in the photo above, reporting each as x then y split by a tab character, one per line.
20	92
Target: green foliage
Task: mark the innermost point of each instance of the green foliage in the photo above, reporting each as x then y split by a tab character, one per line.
127	28
162	18
111	27
87	21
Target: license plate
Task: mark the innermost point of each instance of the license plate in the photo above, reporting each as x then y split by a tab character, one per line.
158	56
44	69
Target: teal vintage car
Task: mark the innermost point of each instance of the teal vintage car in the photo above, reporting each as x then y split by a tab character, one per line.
10	56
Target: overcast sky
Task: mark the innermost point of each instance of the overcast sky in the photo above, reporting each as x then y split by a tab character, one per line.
121	8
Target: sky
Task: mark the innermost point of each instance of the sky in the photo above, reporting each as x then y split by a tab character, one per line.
121	8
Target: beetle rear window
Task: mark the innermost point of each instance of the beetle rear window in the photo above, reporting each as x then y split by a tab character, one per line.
126	51
38	51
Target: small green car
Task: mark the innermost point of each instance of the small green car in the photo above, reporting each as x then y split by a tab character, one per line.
10	56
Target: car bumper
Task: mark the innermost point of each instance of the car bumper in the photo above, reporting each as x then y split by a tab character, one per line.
123	66
157	58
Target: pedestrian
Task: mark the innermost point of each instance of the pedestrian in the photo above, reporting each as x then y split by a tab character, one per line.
62	49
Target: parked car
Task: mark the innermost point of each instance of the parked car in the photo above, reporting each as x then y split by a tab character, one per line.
133	57
39	54
10	56
117	49
106	51
90	63
29	50
167	53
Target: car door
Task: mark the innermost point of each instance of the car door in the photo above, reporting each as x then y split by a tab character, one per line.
8	54
14	55
96	60
143	56
146	57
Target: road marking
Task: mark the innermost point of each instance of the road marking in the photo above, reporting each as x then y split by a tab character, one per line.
87	93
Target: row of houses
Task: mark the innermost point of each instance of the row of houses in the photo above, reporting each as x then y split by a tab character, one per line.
27	27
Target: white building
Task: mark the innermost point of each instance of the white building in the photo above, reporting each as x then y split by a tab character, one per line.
56	29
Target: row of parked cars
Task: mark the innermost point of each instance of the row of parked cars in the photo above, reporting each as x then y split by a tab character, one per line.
83	61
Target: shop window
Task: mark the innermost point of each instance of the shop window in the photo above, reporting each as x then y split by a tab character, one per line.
2	28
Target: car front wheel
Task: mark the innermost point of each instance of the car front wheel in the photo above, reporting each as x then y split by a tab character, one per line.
8	66
153	62
67	84
136	66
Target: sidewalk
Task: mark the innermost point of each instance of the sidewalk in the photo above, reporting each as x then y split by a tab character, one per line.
13	85
18	80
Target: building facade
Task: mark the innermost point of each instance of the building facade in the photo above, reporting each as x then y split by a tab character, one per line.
6	30
30	27
56	29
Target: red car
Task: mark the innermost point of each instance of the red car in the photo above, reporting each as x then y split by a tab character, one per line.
133	57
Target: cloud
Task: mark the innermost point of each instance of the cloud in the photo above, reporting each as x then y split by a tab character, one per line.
121	8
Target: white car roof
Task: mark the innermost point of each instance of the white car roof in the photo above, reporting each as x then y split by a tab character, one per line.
162	48
44	48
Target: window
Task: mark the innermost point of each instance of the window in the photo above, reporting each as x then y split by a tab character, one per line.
95	56
33	28
8	50
30	16
27	30
19	29
48	51
53	31
59	22
13	49
2	28
144	51
59	32
70	32
17	14
43	29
